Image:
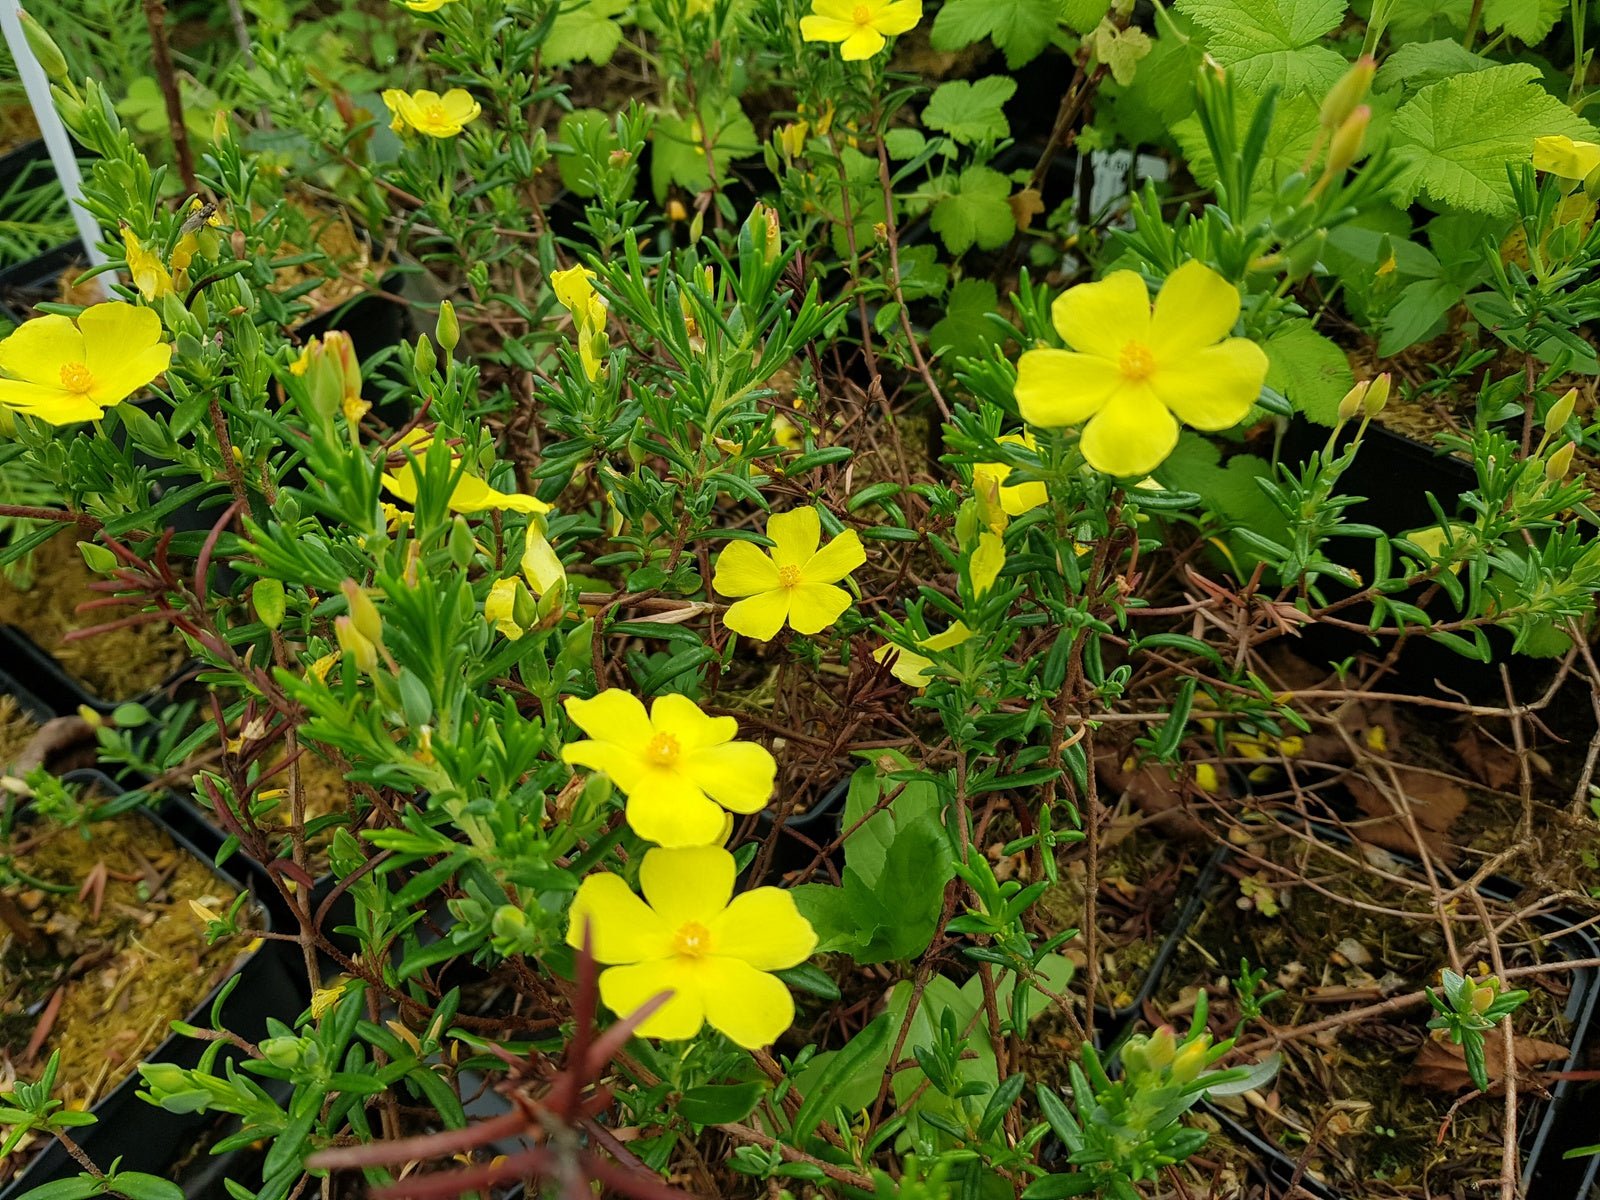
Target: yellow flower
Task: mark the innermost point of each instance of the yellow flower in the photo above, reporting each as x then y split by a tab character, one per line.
470	495
1134	372
324	999
862	27
149	276
577	295
541	566
795	583
691	936
911	668
426	5
987	561
678	767
1565	158
499	608
990	478
61	371
430	113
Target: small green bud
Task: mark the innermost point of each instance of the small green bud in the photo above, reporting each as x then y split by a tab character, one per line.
448	330
97	558
1561	412
1377	395
1344	96
357	649
363	612
460	543
508	922
1350	406
524	608
1559	463
425	358
1348	141
163	1077
44	48
285	1053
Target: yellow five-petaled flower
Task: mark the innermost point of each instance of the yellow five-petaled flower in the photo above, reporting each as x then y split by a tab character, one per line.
678	767
430	113
691	936
861	27
794	584
1134	372
469	495
63	371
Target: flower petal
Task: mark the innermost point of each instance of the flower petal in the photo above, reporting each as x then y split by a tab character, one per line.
473	495
688	884
38	349
626	989
815	606
739	776
764	928
1132	435
115	332
1058	387
744	569
826	29
1196	307
835	560
623	927
839	10
671	810
795	535
624	765
114	384
52	404
759	616
613	716
1101	318
751	1007
1024	497
694	729
909	667
1215	387
898	17
863	43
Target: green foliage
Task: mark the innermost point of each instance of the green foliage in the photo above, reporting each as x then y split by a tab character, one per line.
971	111
1272	43
1467	1009
976	213
587	30
1021	28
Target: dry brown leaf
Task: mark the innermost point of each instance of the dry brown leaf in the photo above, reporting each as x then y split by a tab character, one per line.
1443	1067
1434	803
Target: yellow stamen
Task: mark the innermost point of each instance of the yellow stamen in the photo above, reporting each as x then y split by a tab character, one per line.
1137	361
663	750
789	576
75	377
693	940
436	116
862	15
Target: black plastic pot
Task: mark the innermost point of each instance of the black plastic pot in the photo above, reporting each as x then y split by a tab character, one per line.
1545	1131
1396	475
143	1137
62	692
819	824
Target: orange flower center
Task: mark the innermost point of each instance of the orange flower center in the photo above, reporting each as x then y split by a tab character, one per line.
75	377
693	940
662	750
862	15
789	576
1137	361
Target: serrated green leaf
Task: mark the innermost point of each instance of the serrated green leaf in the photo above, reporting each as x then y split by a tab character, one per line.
1456	137
1529	21
904	143
1417	64
1273	43
678	153
1022	28
1084	15
586	30
971	112
1310	370
976	213
963	331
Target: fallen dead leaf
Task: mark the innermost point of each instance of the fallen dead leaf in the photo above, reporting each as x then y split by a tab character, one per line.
1434	803
1443	1066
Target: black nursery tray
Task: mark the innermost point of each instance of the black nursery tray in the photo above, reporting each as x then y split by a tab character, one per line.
1549	1126
143	1137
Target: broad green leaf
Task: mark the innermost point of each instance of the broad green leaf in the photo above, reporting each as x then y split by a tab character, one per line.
1529	21
1417	64
971	112
1022	28
977	213
712	1104
1310	370
679	147
1455	138
586	30
964	331
1420	308
1273	43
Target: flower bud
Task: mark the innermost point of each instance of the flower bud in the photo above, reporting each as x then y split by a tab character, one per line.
1162	1045
331	370
1350	406
363	612
1190	1060
1559	463
284	1053
792	139
448	330
163	1077
424	359
1377	395
1350	91
524	608
460	543
1561	412
357	649
1348	141
44	48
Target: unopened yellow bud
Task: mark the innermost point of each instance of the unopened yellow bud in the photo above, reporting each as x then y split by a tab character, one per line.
1377	395
1190	1061
1350	406
1350	91
361	653
448	330
1348	141
331	370
1161	1048
1561	411
1559	463
792	139
363	612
